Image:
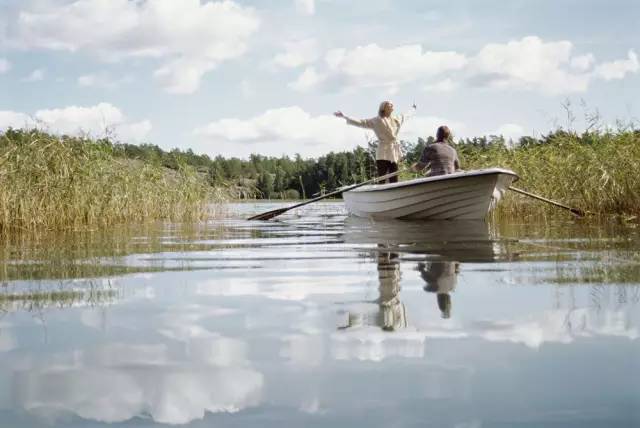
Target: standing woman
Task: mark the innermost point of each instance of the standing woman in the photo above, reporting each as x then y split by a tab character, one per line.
386	128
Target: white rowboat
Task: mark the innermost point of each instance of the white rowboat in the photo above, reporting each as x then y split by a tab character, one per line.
465	195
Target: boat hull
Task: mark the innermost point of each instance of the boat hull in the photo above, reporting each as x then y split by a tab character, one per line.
466	195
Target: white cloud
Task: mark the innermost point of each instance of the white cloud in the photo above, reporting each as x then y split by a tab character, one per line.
583	62
532	64
35	76
190	36
12	119
305	7
102	80
96	120
183	76
372	65
73	119
308	80
618	69
444	85
298	53
529	63
5	65
136	131
289	125
290	130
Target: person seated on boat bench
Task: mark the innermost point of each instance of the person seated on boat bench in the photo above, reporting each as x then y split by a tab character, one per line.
440	157
386	128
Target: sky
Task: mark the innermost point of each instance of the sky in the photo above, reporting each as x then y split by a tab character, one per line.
238	77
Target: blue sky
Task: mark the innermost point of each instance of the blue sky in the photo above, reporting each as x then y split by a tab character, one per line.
241	77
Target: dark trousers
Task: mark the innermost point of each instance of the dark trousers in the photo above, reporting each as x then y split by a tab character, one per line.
387	167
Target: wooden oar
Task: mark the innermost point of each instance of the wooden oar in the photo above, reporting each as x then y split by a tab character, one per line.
274	213
577	212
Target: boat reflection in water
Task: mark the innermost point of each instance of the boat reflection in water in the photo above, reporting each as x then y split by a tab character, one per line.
435	249
463	240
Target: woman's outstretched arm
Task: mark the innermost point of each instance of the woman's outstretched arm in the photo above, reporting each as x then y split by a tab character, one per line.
361	123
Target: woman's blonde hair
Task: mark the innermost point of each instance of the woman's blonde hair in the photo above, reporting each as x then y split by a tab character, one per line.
383	105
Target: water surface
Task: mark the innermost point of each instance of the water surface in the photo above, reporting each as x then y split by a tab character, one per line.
319	319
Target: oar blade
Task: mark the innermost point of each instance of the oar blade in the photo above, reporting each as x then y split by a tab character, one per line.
578	212
269	214
575	211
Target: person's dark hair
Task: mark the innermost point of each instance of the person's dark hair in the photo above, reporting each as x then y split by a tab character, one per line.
443	133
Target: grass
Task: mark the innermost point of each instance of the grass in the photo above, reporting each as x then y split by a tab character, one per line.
594	171
51	183
65	183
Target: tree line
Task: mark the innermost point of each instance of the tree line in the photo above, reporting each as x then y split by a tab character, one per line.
295	177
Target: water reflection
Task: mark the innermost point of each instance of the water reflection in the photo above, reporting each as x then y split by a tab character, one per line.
390	314
441	278
437	244
317	320
119	381
39	296
455	240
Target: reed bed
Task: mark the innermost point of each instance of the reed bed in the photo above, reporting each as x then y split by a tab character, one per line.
71	255
596	172
66	183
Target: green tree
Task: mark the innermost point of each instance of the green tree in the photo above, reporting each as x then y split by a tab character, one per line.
265	184
280	183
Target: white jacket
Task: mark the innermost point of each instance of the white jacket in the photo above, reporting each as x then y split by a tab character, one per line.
386	130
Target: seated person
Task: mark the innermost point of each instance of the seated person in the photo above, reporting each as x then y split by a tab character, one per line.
440	157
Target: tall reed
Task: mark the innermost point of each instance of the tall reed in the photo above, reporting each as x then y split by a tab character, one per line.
595	171
56	183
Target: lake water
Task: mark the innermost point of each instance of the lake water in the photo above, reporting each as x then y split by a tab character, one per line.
317	319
